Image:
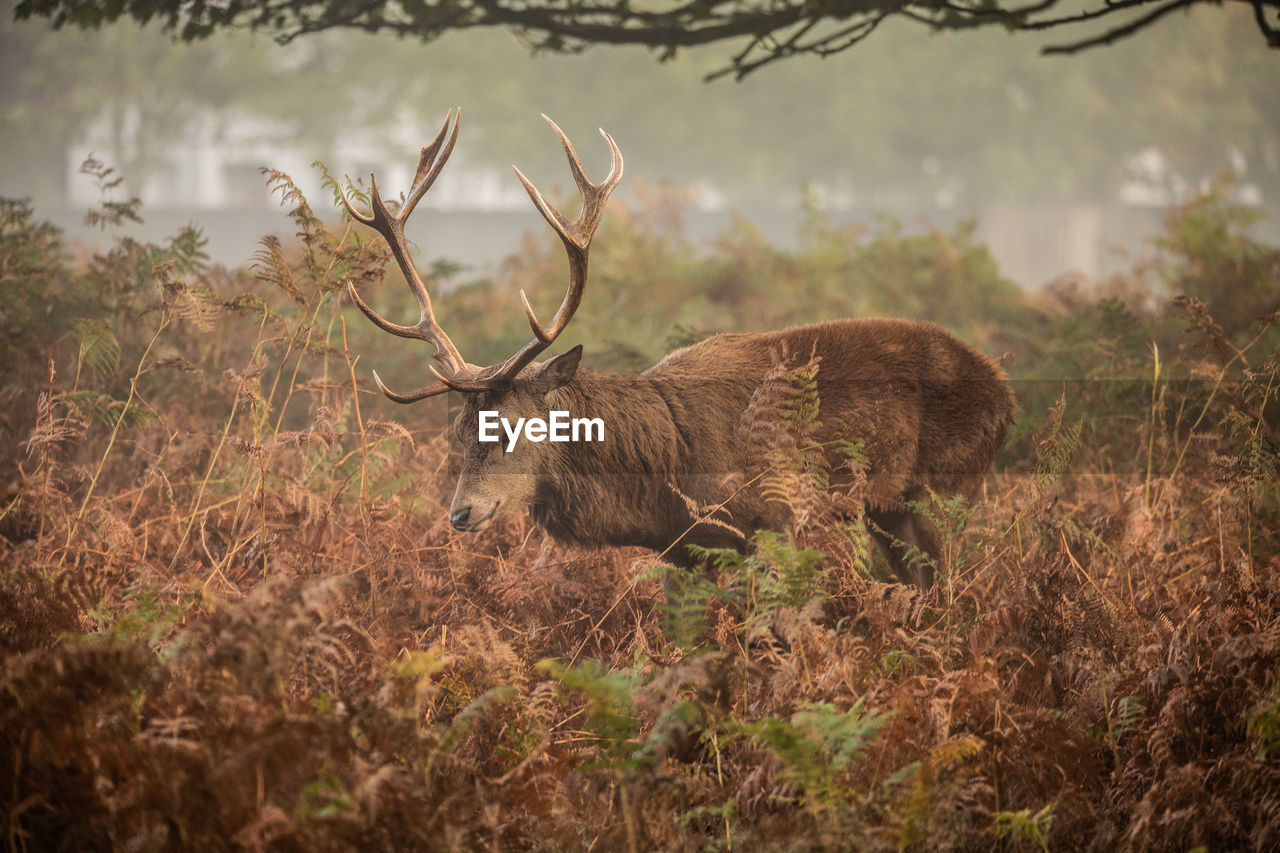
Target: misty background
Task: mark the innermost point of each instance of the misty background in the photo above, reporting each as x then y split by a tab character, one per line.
1067	163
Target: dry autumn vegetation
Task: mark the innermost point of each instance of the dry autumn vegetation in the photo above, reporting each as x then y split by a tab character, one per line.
233	614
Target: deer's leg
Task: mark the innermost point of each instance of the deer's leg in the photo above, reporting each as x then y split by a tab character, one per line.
929	544
909	542
684	559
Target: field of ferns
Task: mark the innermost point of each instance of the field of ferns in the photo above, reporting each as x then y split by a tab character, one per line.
233	614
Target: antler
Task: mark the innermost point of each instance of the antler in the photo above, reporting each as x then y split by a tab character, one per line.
391	227
576	236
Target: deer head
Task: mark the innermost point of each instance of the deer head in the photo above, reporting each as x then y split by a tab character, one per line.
493	481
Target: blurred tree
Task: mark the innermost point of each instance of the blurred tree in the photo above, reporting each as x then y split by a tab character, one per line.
132	96
766	30
125	90
953	121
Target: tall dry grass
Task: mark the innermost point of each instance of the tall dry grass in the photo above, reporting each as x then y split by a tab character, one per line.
233	614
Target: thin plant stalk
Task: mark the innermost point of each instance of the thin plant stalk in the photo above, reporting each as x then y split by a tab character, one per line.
1151	436
1217	385
364	441
115	431
222	441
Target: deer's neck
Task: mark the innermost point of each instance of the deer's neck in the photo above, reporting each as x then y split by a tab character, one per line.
615	491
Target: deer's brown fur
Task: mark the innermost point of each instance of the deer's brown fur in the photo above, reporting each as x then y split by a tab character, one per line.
931	410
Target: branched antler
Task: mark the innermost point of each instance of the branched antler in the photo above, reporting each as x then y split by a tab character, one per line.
391	227
576	236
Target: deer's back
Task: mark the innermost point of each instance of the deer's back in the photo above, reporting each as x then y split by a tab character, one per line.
930	409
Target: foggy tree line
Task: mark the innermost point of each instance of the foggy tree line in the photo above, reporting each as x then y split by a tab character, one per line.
996	120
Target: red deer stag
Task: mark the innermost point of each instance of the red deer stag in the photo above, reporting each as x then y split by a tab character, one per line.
932	411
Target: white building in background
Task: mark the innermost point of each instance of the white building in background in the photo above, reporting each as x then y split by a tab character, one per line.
477	215
219	166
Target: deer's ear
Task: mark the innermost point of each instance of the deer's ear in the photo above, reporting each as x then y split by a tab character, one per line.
559	371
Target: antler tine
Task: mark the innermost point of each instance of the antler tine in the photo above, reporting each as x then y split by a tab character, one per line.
442	386
423	393
589	189
429	166
391	227
384	324
351	211
576	236
578	233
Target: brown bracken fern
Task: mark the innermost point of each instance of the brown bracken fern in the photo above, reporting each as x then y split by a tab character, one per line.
233	615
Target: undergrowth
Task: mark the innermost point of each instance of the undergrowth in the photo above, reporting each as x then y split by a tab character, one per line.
233	614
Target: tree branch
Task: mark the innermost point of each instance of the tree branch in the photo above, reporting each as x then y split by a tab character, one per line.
764	30
1111	8
1270	33
1112	36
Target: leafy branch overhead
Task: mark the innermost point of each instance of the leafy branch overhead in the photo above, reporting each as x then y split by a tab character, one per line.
762	31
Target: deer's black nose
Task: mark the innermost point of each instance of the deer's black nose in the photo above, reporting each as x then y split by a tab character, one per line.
458	518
